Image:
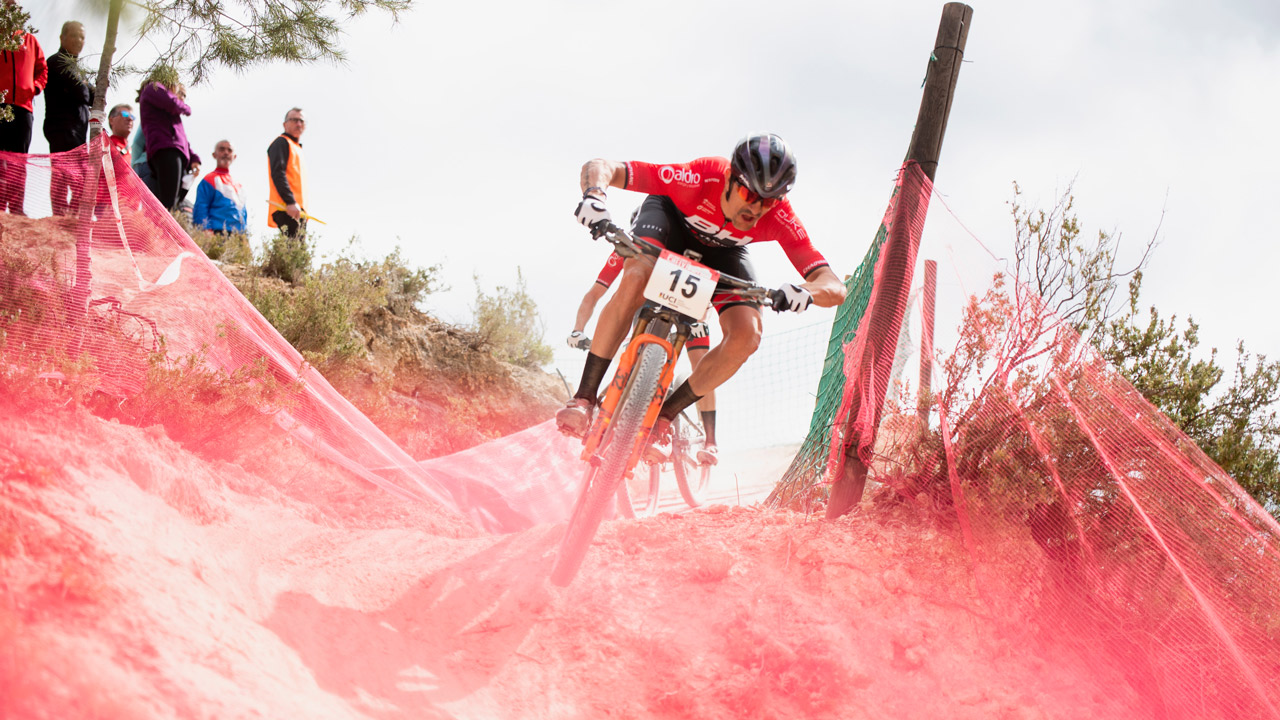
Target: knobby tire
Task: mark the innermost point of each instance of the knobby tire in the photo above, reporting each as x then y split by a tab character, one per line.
602	479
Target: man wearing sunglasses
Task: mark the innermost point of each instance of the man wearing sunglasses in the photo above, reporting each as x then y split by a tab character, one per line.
716	206
120	121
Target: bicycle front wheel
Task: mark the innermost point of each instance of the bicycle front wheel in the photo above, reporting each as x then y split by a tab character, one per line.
692	478
606	474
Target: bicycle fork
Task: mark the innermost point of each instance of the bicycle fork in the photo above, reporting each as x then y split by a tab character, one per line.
618	387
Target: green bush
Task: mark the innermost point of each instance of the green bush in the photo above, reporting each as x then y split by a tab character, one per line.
401	287
317	314
286	257
508	323
198	404
228	248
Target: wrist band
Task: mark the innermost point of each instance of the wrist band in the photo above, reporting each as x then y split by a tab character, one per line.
593	187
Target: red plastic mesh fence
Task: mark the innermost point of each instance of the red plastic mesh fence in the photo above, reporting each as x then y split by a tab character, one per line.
869	357
104	298
1094	525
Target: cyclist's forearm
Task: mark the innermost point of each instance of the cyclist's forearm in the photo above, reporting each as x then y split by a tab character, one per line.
603	174
825	287
585	308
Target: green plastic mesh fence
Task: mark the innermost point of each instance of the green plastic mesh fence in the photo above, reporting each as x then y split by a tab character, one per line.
807	469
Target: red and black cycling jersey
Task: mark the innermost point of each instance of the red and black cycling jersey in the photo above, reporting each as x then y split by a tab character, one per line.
610	271
696	188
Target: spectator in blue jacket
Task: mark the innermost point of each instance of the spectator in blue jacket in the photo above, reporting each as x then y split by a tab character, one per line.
219	199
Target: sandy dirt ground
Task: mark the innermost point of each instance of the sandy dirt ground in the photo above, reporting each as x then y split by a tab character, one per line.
138	580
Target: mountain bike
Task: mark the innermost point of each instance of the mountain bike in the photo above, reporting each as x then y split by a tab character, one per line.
679	291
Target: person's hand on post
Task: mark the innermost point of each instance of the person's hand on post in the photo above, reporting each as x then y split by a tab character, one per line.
791	297
592	213
293	210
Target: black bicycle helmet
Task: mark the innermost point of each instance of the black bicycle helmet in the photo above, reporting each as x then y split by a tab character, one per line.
764	164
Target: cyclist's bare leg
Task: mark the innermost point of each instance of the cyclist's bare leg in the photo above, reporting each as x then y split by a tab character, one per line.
708	402
611	330
708	453
615	320
742	326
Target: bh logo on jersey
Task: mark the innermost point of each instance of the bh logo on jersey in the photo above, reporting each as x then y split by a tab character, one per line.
669	174
713	234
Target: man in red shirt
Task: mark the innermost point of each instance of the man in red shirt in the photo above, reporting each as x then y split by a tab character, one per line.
120	121
717	206
577	339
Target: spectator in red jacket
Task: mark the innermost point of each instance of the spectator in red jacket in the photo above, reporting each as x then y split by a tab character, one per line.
23	74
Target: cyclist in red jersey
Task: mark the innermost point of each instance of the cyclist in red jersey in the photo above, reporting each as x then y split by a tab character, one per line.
718	206
697	346
577	339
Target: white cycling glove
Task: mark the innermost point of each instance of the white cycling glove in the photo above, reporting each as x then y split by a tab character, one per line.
592	212
791	297
579	341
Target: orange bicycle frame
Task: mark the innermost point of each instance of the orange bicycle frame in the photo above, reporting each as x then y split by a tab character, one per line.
613	395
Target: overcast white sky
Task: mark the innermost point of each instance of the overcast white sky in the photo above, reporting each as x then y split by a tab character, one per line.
459	133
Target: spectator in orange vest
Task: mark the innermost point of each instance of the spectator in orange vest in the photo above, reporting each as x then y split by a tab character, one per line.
287	209
23	74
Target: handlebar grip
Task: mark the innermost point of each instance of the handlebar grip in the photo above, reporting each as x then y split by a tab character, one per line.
600	229
777	300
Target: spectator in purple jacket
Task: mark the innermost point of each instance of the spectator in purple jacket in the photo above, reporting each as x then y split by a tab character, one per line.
168	152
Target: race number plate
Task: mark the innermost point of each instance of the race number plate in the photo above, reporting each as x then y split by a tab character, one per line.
681	284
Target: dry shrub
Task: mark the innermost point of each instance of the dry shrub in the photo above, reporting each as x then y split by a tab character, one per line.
316	312
198	404
509	324
227	248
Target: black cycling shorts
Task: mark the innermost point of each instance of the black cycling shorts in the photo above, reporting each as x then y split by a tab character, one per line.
660	221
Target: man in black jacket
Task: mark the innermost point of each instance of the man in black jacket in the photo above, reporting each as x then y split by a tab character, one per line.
67	100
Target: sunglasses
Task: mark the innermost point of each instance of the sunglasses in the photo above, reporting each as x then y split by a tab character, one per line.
126	114
750	197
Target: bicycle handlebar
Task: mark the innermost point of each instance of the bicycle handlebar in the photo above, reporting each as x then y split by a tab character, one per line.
628	246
